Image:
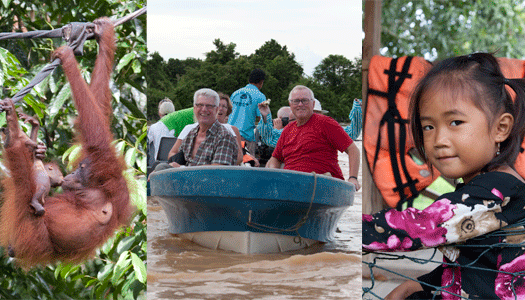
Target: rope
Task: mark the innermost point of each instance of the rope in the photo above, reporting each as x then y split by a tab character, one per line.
391	256
130	16
55	33
294	228
75	34
48	69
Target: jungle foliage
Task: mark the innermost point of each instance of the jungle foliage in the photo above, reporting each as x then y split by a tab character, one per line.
119	271
439	29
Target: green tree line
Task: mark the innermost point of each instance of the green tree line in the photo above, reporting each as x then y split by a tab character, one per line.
336	81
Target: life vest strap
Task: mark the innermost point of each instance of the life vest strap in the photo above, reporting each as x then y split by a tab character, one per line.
390	118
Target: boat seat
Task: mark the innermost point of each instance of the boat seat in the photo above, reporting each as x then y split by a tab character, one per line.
165	145
151	156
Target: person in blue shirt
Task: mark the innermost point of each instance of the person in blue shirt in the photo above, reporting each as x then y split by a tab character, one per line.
245	108
270	130
356	120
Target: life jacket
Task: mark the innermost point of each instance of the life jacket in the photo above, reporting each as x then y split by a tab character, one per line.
246	158
515	68
386	136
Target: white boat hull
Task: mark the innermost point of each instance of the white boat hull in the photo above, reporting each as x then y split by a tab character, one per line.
248	242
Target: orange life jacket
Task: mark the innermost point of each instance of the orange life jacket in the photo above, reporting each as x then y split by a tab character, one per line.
246	158
515	68
386	136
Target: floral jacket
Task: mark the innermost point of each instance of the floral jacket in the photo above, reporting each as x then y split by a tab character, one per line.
461	220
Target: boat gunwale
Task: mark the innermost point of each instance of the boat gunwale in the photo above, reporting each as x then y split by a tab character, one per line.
298	177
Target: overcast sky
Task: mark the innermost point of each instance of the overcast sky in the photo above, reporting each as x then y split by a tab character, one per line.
311	29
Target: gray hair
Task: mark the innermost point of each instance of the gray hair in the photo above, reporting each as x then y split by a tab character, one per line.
301	87
166	108
284	112
208	93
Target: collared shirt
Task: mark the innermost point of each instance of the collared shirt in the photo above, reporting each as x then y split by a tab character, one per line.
184	133
269	135
245	110
313	146
219	147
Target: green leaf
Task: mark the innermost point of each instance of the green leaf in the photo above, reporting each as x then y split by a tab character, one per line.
78	277
2	120
119	146
57	271
124	61
143	135
144	247
68	152
131	156
2	76
52	84
125	244
58	102
143	164
121	266
101	290
68	269
139	267
72	155
105	272
137	66
108	245
137	189
126	288
92	282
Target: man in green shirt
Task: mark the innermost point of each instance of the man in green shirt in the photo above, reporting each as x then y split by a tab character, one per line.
178	119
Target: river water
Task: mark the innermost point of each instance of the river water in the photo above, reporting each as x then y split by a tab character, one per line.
179	269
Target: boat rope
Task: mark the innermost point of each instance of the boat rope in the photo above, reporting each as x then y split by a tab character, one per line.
75	34
294	228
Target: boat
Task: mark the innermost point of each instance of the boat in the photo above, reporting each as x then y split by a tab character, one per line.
251	210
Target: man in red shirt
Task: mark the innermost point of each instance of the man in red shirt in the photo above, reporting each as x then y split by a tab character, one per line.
310	144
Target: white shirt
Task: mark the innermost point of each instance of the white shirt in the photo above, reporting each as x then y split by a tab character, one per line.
156	132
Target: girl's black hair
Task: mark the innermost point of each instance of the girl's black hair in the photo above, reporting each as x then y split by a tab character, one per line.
479	78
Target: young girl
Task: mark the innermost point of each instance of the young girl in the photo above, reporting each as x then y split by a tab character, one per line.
466	125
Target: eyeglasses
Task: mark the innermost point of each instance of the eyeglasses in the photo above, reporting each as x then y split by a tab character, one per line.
297	101
208	106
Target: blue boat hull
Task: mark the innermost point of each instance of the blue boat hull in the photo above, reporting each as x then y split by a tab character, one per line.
198	199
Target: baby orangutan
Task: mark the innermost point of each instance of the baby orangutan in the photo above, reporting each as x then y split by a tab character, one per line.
47	175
